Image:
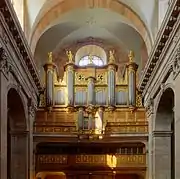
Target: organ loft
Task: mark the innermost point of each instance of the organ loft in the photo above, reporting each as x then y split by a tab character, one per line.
90	122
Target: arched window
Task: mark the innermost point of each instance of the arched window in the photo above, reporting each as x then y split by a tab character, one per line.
91	59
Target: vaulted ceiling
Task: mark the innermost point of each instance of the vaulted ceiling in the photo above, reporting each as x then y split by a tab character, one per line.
127	24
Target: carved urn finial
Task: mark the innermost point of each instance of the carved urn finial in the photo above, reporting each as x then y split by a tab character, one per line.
131	56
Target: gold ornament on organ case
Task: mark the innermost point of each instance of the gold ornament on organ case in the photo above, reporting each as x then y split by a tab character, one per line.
131	56
50	58
111	56
70	56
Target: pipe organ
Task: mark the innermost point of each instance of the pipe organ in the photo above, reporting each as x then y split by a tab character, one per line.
91	103
90	90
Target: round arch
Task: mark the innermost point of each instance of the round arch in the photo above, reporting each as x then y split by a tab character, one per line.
92	50
17	137
164	136
24	104
64	6
168	86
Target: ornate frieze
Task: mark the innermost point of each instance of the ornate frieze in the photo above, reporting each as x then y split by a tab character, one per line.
155	56
9	23
176	63
4	65
114	161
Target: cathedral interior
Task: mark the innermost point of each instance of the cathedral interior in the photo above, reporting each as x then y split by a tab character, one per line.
89	89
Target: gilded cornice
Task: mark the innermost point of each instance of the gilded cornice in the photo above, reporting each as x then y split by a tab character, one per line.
164	35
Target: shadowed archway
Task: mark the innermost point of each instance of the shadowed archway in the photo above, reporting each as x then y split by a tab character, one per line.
17	146
163	137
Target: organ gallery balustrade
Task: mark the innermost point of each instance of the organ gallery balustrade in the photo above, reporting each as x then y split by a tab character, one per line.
52	162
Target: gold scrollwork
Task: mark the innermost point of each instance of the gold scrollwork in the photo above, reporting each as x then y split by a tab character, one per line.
101	78
138	99
91	159
80	78
52	159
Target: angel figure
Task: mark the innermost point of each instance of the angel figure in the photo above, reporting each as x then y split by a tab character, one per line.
131	56
70	56
111	56
50	58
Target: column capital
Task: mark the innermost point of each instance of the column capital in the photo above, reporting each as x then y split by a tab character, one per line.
162	133
4	64
150	107
32	107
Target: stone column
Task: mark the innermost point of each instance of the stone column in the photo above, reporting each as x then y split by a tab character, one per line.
32	110
161	155
150	118
3	113
19	154
177	124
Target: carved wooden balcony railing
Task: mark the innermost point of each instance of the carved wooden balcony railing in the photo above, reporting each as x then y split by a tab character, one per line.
53	162
119	122
111	128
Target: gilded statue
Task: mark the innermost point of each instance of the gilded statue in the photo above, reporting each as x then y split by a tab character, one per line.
111	56
70	56
131	56
50	58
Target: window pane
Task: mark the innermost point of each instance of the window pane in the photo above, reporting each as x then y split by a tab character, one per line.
86	60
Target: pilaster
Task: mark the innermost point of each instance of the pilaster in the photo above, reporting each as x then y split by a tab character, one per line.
3	112
32	111
150	118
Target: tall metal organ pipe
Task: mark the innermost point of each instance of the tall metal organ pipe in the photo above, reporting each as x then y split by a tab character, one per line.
49	68
132	69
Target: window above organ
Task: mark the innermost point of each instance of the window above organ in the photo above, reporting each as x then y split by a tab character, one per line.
91	59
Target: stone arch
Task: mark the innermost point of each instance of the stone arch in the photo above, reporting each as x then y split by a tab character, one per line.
163	136
18	89
42	24
164	88
17	146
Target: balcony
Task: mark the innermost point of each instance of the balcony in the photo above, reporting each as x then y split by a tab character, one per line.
116	162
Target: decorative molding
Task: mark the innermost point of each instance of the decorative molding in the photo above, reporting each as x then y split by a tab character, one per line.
14	34
162	133
176	63
165	35
150	107
4	65
32	107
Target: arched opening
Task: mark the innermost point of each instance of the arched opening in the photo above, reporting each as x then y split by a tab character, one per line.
163	137
17	151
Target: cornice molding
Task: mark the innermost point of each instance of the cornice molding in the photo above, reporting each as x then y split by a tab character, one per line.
163	36
162	133
9	19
